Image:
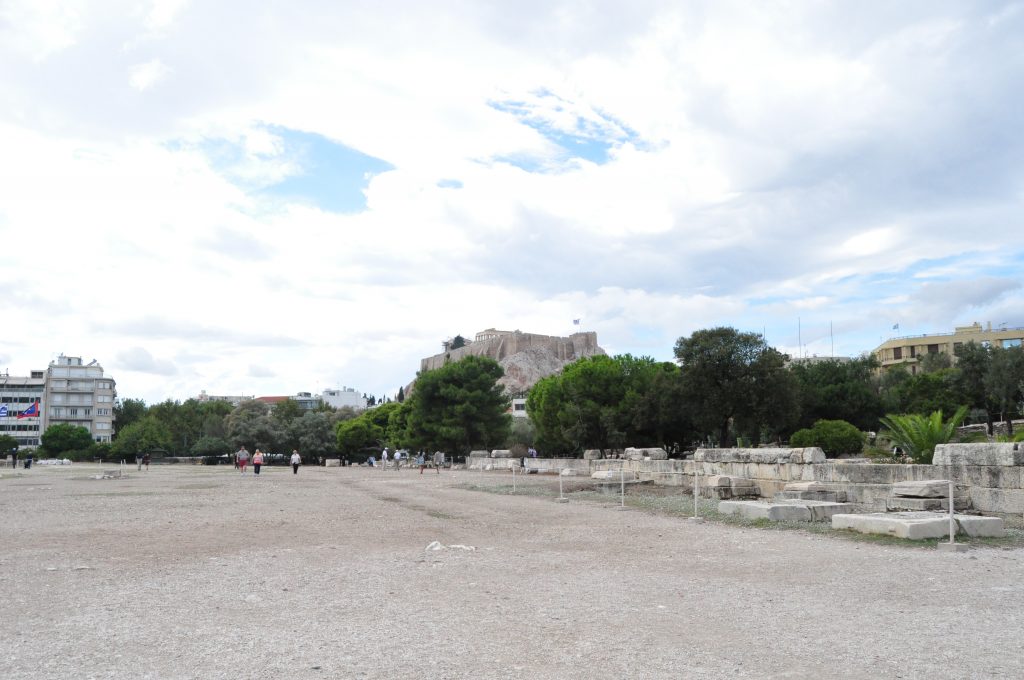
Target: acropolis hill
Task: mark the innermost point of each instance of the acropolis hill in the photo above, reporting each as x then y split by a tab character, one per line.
525	357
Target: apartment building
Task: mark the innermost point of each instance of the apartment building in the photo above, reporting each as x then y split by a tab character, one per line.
909	349
81	395
18	395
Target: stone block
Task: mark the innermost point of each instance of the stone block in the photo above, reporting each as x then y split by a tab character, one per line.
716	480
931	488
973	525
979	454
820	511
897	503
611	475
761	510
501	453
1005	501
332	462
479	454
912	525
649	453
805	486
593	454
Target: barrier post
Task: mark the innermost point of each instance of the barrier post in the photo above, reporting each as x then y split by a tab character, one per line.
561	496
513	478
622	490
952	546
696	490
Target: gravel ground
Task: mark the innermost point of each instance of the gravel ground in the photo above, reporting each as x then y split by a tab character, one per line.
196	572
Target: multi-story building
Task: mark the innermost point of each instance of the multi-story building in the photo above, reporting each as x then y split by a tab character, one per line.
81	395
909	349
234	400
346	396
18	395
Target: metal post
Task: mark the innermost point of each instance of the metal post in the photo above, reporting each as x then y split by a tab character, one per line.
513	478
696	490
622	481
952	522
952	546
561	496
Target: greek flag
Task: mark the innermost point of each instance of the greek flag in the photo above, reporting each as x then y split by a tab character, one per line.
3	410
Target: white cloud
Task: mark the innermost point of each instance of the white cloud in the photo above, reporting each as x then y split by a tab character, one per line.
814	163
147	74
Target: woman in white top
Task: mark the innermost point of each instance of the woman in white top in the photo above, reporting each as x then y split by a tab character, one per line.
296	462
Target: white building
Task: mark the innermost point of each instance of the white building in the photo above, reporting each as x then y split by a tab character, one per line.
346	396
18	394
79	395
233	399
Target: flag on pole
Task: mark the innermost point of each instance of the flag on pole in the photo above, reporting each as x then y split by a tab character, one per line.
575	322
895	326
3	410
31	412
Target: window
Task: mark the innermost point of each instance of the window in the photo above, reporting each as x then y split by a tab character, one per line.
102	426
933	349
897	353
913	351
104	399
1012	342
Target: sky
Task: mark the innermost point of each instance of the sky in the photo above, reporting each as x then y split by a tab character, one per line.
265	198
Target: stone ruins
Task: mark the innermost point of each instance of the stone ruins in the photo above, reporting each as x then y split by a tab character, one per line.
525	357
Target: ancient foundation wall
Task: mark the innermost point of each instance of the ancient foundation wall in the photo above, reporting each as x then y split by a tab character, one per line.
992	475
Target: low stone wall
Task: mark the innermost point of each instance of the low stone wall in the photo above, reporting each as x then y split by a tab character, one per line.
996	489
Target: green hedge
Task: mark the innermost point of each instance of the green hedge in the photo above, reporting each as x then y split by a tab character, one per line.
834	437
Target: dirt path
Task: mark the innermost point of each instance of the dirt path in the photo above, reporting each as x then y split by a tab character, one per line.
193	572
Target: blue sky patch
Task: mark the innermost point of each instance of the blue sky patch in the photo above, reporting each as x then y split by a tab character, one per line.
587	134
304	167
450	184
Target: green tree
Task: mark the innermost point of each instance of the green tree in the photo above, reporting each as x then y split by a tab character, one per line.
973	364
284	412
731	377
251	425
457	342
918	435
356	435
126	412
8	445
211	446
66	437
839	390
921	393
1005	381
834	437
148	434
401	395
314	432
460	406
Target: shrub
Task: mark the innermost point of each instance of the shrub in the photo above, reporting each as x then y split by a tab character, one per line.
834	437
918	435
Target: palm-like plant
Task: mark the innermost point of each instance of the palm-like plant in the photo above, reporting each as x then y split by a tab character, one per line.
918	435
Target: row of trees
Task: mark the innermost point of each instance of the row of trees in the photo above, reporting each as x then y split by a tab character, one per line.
727	386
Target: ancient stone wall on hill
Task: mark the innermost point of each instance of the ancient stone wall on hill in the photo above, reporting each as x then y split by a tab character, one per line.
526	357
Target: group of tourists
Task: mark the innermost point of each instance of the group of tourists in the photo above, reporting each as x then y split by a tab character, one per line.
398	457
242	459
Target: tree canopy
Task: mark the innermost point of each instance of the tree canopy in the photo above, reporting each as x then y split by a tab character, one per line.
66	437
459	407
734	378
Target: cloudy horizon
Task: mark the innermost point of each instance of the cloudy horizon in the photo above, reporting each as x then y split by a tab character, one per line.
258	199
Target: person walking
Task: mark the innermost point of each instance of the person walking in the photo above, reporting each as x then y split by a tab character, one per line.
296	462
398	460
138	460
421	461
438	461
384	459
257	462
242	459
145	461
